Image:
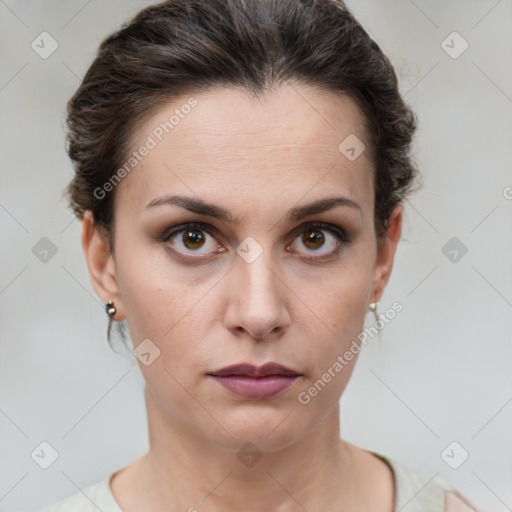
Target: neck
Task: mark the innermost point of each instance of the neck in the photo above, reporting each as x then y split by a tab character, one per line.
189	472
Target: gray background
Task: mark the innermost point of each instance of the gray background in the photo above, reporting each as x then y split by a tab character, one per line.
439	372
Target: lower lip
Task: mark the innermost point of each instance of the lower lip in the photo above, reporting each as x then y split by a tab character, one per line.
250	387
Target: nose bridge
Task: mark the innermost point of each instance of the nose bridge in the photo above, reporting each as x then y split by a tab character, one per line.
255	268
257	301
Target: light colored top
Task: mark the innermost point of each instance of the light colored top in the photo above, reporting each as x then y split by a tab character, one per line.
414	492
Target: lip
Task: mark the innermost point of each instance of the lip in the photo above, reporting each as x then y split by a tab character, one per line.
256	382
249	370
256	388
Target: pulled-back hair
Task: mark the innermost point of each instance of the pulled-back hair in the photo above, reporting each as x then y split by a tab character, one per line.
179	47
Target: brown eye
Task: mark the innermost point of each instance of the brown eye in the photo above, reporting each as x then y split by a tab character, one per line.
313	239
192	239
321	240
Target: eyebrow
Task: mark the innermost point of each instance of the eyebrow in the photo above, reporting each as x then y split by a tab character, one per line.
201	207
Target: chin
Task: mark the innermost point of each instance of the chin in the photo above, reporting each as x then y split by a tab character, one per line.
268	431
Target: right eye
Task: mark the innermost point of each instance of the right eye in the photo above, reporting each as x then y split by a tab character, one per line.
189	239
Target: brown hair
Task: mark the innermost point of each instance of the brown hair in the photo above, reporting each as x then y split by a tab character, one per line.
179	46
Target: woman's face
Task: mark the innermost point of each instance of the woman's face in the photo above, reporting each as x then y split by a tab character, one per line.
251	281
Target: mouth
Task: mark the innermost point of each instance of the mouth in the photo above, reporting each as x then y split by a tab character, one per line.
256	382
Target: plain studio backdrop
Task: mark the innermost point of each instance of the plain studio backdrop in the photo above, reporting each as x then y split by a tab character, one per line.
433	390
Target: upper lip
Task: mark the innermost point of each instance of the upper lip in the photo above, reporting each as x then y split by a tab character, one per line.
249	370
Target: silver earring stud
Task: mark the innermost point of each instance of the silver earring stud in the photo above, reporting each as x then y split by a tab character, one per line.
110	309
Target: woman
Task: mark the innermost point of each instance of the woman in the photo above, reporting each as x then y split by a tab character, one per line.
241	167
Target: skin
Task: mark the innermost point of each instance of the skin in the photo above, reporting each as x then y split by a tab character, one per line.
256	158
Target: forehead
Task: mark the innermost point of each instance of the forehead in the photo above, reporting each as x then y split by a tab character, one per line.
223	143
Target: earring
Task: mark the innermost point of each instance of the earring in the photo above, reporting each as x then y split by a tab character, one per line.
373	307
110	309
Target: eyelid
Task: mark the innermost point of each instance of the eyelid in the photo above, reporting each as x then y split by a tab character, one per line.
323	225
343	238
213	231
169	232
185	257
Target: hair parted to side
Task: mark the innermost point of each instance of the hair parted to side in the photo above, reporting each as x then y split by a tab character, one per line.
179	47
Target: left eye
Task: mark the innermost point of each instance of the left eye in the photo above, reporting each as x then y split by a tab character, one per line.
314	238
194	236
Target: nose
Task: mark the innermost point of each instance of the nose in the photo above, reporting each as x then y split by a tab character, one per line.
257	300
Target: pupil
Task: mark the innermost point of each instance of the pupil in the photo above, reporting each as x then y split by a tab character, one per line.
192	239
315	237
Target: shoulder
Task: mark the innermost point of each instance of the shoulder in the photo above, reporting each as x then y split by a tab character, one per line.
421	491
90	499
78	502
455	502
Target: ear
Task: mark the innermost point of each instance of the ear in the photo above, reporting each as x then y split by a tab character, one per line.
386	253
100	263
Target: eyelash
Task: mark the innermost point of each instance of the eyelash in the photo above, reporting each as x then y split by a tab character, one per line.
340	234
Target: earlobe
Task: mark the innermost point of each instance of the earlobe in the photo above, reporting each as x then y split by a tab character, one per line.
386	253
100	262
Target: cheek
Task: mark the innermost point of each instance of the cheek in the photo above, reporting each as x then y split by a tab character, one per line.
342	301
326	386
151	298
161	299
165	304
342	306
332	361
